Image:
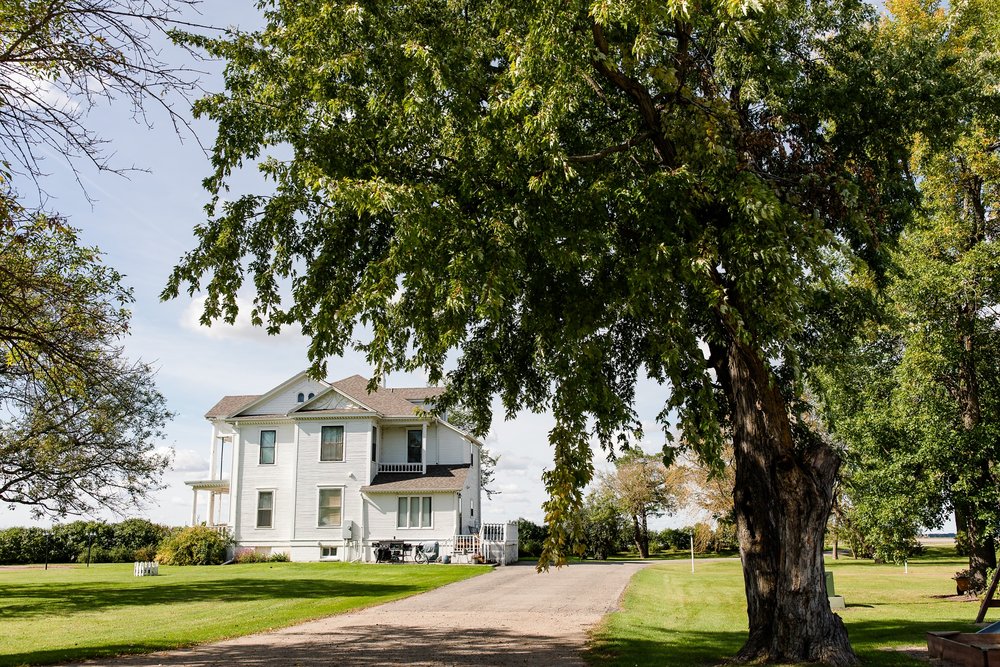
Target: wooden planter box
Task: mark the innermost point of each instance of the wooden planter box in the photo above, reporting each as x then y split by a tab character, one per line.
965	648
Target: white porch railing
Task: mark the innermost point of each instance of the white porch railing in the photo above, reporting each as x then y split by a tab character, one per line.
465	545
222	529
400	467
495	543
499	542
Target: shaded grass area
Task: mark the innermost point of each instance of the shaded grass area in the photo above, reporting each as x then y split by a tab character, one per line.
71	614
671	617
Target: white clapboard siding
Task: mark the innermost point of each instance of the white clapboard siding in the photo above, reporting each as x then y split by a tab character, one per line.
286	399
275	477
382	518
350	474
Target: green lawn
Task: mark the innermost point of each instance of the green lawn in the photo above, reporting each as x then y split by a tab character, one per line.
671	617
72	613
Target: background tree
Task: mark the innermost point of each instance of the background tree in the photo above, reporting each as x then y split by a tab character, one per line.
530	538
561	196
642	487
80	422
60	58
711	487
602	524
918	400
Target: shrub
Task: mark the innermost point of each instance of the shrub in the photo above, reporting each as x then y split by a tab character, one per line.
20	546
677	539
197	545
145	554
530	537
279	557
133	534
244	556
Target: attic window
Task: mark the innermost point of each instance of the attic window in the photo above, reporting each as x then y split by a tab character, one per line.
311	395
301	397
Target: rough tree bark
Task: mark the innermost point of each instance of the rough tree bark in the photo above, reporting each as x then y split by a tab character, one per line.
783	496
982	544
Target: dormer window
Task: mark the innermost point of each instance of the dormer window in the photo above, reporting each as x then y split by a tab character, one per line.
302	397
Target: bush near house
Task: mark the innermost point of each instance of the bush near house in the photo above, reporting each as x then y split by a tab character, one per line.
197	545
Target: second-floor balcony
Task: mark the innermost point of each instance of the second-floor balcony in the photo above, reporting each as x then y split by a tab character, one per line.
401	467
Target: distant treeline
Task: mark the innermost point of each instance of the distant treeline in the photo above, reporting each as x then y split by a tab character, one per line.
127	541
600	543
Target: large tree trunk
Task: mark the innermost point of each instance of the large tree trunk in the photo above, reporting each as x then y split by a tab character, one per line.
783	496
982	544
982	547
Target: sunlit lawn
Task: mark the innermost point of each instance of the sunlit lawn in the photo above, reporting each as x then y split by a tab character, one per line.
671	617
72	613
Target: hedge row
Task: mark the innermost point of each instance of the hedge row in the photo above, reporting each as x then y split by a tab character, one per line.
129	540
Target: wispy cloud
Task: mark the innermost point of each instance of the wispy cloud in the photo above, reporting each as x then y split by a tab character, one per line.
241	329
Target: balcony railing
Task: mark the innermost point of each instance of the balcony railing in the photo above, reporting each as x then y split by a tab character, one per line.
400	467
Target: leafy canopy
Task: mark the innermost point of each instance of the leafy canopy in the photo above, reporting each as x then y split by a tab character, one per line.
78	420
556	196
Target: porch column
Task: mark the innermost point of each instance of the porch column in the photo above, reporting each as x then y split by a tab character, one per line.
211	454
211	508
423	447
194	507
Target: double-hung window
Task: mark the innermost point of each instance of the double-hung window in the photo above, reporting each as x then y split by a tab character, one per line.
267	440
415	446
331	507
265	509
414	512
331	446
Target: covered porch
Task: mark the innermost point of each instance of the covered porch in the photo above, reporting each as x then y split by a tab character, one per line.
216	488
494	543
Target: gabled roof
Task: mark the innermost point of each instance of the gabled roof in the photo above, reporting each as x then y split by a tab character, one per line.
266	396
386	402
230	405
324	395
417	393
438	478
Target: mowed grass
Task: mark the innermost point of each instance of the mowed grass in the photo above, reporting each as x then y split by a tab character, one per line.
73	613
671	617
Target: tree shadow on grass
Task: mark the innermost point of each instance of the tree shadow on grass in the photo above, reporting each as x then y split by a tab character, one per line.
668	648
672	648
59	599
358	645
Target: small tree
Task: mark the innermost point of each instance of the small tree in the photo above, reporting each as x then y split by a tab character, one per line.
642	487
530	537
602	524
80	420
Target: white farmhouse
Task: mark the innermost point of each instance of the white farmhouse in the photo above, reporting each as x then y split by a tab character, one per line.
322	470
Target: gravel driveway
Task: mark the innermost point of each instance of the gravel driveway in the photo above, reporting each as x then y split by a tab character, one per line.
510	616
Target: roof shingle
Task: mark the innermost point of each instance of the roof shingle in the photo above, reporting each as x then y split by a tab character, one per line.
388	402
438	478
230	405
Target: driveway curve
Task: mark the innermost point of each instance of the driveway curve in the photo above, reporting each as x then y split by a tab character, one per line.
510	616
